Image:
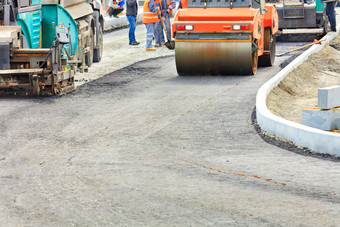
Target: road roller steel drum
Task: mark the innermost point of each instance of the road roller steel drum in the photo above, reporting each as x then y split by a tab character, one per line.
222	55
218	37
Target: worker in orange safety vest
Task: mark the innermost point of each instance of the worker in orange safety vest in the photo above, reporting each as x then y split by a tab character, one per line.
150	17
167	6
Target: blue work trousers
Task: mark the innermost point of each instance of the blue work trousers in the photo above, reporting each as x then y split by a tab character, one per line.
132	21
149	34
159	35
167	26
330	6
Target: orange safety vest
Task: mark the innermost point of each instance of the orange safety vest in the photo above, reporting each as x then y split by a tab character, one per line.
160	3
184	4
170	12
148	16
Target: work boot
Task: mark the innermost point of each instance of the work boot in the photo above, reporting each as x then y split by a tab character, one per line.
150	49
331	30
158	45
135	43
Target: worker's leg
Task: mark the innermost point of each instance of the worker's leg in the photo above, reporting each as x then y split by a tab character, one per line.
168	26
330	6
110	11
158	31
117	11
149	34
162	35
132	21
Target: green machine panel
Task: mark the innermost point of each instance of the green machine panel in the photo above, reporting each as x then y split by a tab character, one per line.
30	23
54	13
319	6
36	2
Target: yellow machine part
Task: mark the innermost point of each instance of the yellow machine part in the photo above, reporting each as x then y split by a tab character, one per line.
205	57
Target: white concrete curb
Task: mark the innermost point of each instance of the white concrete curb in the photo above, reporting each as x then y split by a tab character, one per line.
304	136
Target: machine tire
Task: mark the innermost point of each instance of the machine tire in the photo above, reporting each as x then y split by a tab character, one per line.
89	55
254	61
98	52
269	44
325	24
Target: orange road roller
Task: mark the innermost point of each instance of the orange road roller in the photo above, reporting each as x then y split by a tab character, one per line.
224	37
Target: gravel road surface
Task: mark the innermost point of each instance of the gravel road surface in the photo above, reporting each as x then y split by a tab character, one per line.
142	146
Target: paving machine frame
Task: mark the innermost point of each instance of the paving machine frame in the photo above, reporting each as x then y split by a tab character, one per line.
32	61
34	71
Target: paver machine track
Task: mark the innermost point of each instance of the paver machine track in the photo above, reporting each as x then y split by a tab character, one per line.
224	37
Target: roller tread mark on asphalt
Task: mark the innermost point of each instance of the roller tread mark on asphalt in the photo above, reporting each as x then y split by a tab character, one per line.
247	175
237	174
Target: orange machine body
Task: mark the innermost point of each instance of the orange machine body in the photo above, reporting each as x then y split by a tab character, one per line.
222	20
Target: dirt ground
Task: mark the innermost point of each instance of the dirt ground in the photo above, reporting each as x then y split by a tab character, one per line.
300	87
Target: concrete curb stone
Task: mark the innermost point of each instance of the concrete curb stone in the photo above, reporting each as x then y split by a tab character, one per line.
304	136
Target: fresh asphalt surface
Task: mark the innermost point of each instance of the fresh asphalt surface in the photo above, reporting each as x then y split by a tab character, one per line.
143	146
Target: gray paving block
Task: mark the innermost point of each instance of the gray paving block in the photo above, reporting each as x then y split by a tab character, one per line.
337	121
329	97
320	119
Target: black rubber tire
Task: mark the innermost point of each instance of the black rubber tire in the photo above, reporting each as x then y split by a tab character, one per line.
255	59
89	55
98	51
269	44
325	23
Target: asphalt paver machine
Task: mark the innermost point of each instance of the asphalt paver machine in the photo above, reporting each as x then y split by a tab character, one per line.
44	42
301	20
224	37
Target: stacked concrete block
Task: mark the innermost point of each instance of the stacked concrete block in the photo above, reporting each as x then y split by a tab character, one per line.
327	115
329	97
320	118
337	121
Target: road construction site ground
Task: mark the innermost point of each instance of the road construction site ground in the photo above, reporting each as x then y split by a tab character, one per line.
142	146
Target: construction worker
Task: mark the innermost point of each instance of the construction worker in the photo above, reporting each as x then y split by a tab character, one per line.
131	15
171	7
330	11
167	6
115	7
158	25
150	17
